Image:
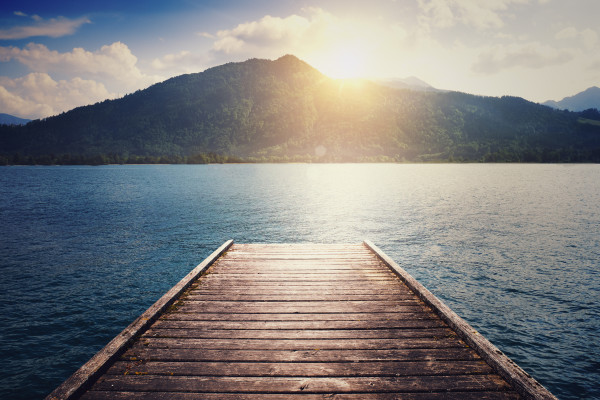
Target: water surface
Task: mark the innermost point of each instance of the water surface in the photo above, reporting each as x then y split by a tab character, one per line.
513	249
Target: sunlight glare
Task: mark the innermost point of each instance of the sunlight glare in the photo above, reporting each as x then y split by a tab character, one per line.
347	61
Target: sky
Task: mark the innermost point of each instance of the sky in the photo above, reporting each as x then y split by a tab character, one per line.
57	55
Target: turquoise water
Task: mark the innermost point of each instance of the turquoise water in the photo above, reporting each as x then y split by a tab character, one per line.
513	249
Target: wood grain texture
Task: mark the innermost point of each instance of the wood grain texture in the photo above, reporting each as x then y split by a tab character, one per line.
299	322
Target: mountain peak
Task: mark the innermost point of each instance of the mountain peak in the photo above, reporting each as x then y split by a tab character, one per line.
12	120
291	61
288	58
589	98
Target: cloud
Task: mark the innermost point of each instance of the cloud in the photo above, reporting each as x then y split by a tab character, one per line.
439	13
476	13
60	81
325	41
38	95
55	27
206	35
267	37
529	55
587	37
262	33
184	62
114	63
594	66
567	33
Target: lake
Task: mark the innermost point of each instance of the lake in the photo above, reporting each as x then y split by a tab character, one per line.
513	249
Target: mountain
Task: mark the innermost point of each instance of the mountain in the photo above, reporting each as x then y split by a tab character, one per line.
285	110
8	119
589	98
412	82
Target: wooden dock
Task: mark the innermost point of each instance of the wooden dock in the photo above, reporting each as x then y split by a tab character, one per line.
303	322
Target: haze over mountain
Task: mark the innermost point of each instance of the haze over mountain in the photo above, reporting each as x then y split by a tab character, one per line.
589	98
411	82
285	110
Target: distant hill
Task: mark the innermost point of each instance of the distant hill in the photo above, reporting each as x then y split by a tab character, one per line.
8	119
412	82
589	98
285	110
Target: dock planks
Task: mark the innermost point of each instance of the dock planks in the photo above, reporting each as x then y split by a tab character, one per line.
299	322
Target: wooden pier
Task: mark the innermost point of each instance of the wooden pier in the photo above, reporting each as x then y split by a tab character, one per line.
281	321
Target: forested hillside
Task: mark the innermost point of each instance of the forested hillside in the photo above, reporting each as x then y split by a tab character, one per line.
285	110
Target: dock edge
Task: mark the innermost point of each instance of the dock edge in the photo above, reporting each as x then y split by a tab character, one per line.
91	370
521	381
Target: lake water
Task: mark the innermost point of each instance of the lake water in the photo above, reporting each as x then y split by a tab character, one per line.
513	249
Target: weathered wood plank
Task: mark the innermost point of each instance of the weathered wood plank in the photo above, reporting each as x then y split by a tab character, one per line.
156	331
319	275
384	316
255	247
349	285
298	268
243	278
114	395
300	385
239	307
296	325
146	354
266	307
330	304
296	258
298	297
341	261
304	290
336	369
300	344
345	304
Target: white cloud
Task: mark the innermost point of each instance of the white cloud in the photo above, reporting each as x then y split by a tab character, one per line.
113	63
184	62
587	37
439	13
228	45
55	27
263	33
60	81
567	33
528	55
38	95
316	36
170	60
206	35
331	44
476	13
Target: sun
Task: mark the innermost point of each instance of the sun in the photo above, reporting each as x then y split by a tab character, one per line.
346	61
